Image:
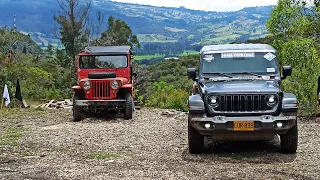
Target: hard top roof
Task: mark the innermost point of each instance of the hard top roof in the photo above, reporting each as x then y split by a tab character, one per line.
237	47
107	50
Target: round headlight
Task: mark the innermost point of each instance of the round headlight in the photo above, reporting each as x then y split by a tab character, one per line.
214	101
86	85
272	100
114	85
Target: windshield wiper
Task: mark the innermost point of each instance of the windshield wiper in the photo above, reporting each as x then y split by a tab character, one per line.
221	74
251	73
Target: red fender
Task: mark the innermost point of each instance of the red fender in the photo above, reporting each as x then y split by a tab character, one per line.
76	88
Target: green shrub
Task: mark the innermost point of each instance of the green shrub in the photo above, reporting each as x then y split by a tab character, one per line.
167	97
302	55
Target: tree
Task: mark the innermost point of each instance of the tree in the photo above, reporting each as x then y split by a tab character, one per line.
118	33
50	50
288	20
314	15
97	27
294	29
302	55
72	19
24	51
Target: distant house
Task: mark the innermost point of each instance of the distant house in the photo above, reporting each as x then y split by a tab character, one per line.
168	58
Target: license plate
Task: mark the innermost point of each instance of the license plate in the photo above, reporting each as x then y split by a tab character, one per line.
243	126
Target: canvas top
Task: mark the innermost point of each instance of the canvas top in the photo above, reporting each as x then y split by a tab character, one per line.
108	50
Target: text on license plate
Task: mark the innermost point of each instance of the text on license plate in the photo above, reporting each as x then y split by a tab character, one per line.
243	126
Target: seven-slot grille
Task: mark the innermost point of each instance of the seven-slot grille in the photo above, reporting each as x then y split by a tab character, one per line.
242	103
100	89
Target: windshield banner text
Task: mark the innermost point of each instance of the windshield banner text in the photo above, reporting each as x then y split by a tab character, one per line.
237	55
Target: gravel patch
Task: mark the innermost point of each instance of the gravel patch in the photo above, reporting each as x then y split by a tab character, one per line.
151	146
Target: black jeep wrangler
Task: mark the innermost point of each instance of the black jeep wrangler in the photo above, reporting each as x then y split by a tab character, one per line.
238	96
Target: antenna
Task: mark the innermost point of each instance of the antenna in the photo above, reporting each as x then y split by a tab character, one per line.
14	22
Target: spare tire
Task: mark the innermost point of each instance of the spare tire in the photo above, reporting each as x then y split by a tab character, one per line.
102	75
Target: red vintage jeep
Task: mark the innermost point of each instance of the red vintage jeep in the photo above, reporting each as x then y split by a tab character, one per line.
105	80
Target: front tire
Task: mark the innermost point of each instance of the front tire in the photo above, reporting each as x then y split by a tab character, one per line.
289	141
76	110
195	140
128	112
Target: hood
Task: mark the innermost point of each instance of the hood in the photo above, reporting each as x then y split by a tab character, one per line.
119	79
242	86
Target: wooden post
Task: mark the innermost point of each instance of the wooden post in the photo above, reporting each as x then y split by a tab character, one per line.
2	103
24	104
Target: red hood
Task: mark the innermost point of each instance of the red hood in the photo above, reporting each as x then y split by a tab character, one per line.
119	79
121	72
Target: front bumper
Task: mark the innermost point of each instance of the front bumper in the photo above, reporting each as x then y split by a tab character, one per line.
222	127
117	102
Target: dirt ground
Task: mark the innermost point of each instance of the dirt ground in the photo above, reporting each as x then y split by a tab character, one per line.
47	145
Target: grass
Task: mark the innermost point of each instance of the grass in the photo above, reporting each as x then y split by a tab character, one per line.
102	155
14	113
221	39
175	29
155	38
143	57
222	29
189	52
35	102
243	32
11	136
150	56
259	32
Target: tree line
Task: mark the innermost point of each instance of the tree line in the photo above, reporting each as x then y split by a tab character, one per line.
167	48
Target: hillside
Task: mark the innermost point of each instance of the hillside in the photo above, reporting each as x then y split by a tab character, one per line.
18	42
152	24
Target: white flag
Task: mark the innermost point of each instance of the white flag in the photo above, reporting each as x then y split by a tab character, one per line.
6	95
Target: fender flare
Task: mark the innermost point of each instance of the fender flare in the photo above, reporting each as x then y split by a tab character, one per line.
76	88
126	86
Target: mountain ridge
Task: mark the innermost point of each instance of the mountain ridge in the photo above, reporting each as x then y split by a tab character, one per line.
152	24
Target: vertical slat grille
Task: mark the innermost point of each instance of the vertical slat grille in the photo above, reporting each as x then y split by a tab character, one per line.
242	103
263	102
229	103
100	89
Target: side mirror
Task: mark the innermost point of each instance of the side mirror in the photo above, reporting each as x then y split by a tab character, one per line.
286	71
192	73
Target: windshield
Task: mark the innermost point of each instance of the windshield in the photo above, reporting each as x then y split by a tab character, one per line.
100	62
229	63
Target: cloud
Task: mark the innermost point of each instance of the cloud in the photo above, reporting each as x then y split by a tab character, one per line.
207	5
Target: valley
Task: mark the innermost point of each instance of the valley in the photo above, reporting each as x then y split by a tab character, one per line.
155	25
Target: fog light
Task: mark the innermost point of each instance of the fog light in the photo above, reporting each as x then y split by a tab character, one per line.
207	125
279	124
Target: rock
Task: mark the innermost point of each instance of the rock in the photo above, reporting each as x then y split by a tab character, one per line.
168	112
68	102
61	104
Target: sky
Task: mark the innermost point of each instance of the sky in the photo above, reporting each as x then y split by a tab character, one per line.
206	5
